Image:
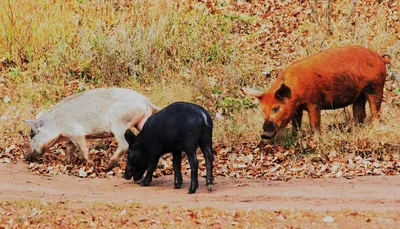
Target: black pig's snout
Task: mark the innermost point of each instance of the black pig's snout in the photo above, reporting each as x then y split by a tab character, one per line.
128	174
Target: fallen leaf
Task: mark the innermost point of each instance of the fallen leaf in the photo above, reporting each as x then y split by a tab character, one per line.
328	219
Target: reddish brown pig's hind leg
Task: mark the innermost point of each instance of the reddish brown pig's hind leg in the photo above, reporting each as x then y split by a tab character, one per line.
314	113
359	110
375	101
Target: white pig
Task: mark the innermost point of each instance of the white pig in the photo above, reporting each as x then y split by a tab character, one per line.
92	114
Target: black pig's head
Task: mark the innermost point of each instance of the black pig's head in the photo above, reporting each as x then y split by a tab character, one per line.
137	161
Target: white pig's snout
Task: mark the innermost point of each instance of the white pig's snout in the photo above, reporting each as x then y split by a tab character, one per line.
32	155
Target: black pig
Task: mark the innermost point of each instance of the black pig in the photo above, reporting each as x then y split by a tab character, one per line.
178	127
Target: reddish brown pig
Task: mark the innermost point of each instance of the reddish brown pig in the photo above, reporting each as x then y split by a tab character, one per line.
331	79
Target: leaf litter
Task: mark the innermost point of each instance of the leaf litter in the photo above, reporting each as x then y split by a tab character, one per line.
249	160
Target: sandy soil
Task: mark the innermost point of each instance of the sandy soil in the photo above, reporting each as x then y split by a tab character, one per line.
362	193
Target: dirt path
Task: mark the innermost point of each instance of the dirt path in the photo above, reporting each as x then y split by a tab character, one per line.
363	193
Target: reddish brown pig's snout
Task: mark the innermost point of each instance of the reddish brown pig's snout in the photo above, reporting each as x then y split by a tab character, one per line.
269	130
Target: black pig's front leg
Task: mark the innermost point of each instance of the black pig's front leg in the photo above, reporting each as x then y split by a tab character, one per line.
153	161
177	163
194	165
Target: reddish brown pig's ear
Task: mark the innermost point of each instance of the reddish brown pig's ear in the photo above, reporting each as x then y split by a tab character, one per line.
252	92
284	92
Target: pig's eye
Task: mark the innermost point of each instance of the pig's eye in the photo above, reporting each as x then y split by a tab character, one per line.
32	134
275	109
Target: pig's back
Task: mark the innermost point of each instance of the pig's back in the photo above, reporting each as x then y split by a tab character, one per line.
355	62
93	111
181	114
176	122
333	78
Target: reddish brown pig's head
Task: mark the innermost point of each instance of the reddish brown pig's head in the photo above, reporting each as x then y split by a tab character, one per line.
277	106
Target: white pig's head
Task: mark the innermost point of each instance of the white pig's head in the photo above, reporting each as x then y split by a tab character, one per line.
42	138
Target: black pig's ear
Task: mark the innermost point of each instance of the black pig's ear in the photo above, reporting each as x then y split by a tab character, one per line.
284	92
130	137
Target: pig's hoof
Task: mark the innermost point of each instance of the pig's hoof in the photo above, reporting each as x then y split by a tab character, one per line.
192	191
89	163
145	183
110	166
81	157
67	162
210	187
178	185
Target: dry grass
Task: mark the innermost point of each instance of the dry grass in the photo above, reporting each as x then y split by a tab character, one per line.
172	51
378	137
65	214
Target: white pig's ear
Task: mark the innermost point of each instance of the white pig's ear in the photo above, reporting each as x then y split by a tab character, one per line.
40	114
33	124
130	136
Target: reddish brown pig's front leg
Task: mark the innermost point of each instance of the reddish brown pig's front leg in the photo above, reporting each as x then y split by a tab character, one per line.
314	113
296	121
